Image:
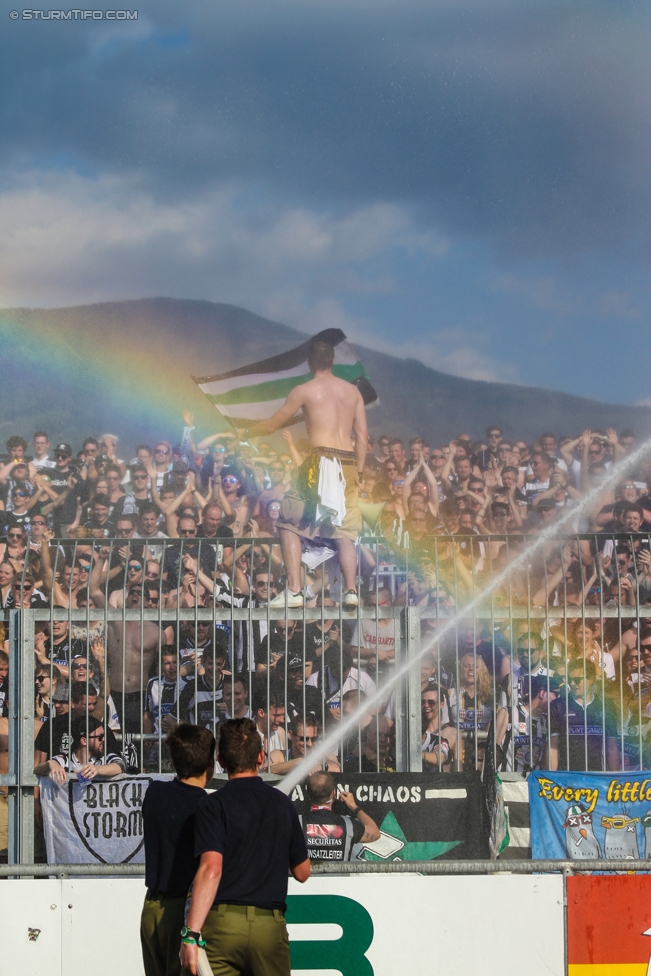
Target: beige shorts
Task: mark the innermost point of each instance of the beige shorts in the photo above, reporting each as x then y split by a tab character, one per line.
297	516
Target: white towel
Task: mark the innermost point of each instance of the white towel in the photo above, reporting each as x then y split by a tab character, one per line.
332	492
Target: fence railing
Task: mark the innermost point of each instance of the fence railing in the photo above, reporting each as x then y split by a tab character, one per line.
159	631
478	867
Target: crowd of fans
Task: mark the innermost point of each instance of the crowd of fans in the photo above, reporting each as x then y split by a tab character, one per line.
162	531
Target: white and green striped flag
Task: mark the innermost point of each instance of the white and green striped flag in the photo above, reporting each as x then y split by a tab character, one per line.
255	392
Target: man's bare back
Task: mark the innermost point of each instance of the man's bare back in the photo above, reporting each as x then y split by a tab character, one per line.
332	409
330	406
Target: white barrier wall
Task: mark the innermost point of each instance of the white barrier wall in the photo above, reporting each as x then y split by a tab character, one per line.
379	925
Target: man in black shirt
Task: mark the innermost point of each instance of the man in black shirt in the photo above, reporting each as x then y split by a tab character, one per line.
204	553
83	701
168	815
583	726
332	836
61	482
484	458
60	648
100	524
247	835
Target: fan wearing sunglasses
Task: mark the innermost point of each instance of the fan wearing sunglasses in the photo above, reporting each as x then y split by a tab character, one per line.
87	757
234	500
139	496
16	540
24	594
581	722
22	498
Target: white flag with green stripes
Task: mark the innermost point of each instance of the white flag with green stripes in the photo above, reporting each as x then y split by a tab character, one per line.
255	392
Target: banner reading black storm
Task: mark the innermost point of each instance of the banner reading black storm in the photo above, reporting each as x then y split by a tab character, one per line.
585	816
96	822
421	817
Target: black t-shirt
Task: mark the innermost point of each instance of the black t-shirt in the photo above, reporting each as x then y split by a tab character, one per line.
256	829
10	520
62	741
484	458
168	814
352	762
173	559
316	639
312	705
107	528
65	514
330	836
37	599
65	650
223	532
275	644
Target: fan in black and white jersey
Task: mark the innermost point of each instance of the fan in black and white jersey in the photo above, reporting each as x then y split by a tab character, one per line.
439	737
524	743
198	639
161	695
532	663
250	635
87	757
201	699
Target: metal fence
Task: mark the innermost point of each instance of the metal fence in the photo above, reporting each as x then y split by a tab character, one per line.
142	633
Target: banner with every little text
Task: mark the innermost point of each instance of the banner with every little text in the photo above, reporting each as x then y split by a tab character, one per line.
95	823
586	816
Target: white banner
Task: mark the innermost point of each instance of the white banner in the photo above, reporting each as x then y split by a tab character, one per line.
382	925
96	822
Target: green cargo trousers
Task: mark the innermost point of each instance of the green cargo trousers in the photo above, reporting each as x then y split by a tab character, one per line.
246	941
160	935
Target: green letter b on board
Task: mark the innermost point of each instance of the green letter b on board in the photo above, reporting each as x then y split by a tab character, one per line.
345	954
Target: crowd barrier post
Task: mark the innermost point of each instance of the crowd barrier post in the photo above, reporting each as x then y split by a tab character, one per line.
12	780
402	718
412	647
24	729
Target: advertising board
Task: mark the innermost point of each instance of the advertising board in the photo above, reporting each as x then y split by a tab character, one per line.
378	925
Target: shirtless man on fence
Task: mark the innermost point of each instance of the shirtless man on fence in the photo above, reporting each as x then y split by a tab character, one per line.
323	503
131	647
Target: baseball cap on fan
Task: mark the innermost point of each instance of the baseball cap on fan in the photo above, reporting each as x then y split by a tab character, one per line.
63	449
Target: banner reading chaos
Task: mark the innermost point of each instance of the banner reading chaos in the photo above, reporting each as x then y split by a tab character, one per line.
584	816
421	817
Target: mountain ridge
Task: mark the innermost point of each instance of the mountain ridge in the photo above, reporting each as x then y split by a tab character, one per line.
126	366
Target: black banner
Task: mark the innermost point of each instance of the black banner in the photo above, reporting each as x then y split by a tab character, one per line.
421	818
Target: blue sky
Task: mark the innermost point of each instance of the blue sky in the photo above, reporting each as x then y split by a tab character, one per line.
466	183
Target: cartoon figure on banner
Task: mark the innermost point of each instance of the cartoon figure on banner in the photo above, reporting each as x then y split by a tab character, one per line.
621	836
646	823
580	841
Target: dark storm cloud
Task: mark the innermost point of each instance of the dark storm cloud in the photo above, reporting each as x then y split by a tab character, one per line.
525	123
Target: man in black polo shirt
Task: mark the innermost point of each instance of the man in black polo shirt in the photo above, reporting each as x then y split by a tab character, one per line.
168	814
247	835
583	726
